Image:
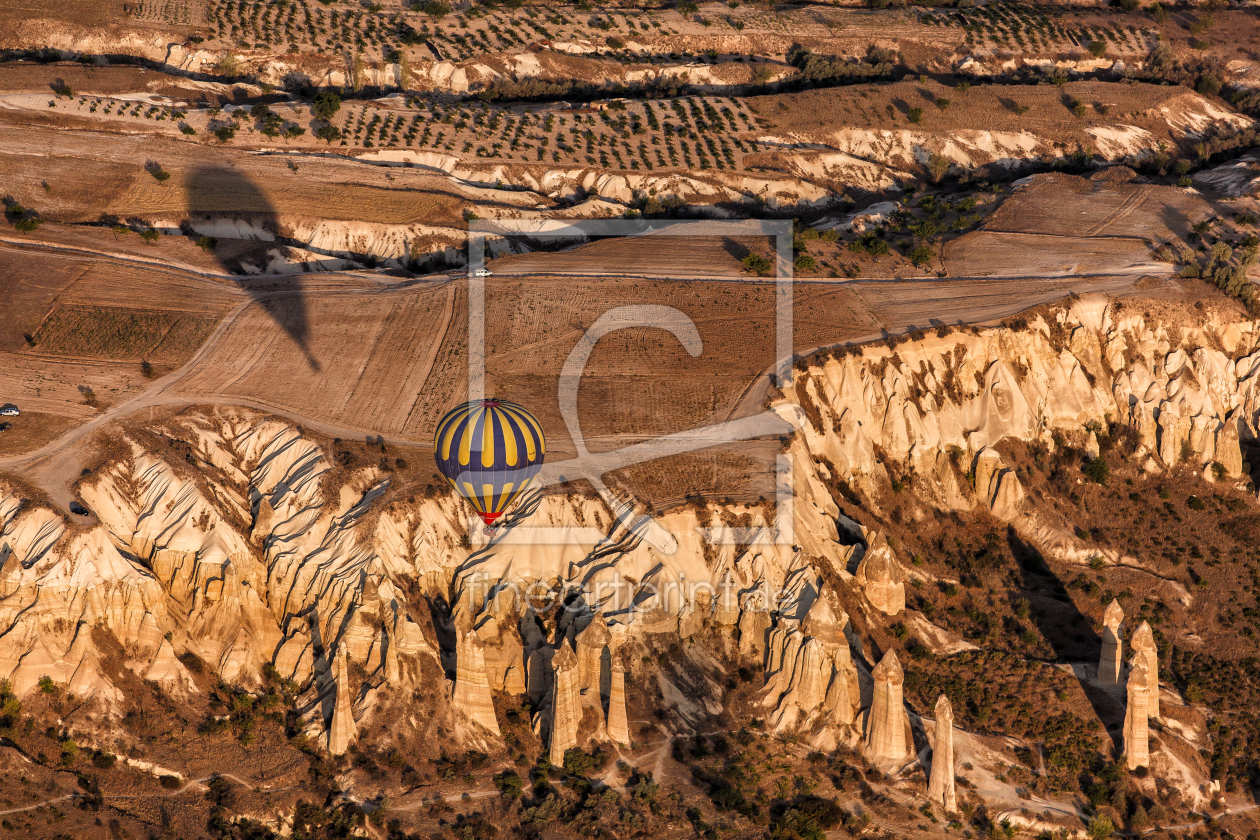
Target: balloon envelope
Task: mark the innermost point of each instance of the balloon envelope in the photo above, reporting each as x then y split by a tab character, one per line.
489	451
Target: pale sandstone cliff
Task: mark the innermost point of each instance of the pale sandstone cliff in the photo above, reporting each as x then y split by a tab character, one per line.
251	557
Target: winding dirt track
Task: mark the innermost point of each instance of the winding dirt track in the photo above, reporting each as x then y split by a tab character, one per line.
898	305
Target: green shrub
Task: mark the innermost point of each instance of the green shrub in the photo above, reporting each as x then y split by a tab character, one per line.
509	784
1097	470
921	254
915	115
326	105
758	264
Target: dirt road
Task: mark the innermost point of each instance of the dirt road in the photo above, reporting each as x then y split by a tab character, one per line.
897	305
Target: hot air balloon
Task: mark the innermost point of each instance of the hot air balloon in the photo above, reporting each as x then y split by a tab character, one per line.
489	451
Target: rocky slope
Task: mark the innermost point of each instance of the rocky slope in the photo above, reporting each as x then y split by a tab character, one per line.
230	541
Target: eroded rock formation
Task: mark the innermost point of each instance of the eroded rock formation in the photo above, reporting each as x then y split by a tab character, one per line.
1136	717
881	577
472	688
810	675
941	782
1111	660
592	643
618	723
887	725
342	729
566	709
1143	644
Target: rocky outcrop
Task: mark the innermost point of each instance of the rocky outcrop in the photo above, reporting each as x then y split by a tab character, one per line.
566	709
618	724
472	696
754	625
932	405
342	729
1109	663
941	782
726	604
881	578
1142	643
997	486
810	675
887	725
1136	717
591	645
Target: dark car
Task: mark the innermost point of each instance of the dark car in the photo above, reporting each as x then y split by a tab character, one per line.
79	510
4	427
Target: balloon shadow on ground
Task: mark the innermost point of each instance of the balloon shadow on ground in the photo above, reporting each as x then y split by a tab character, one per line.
222	199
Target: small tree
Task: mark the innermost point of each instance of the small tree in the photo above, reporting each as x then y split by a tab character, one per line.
758	264
938	166
1097	470
921	254
915	115
326	105
1097	48
433	8
1101	828
509	784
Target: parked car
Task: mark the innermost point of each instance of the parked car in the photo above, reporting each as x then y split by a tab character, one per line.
79	510
9	410
482	272
4	427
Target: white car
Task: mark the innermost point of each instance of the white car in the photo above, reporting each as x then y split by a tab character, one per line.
9	410
482	272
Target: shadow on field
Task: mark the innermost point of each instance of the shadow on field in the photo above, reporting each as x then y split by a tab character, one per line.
736	249
221	196
1068	631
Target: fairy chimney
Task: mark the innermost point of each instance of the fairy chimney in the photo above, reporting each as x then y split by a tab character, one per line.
1143	643
941	783
1112	646
886	722
881	577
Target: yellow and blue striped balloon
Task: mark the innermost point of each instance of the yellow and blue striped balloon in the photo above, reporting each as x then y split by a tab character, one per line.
489	451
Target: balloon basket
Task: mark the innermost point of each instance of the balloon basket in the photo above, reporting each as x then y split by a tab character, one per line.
490	531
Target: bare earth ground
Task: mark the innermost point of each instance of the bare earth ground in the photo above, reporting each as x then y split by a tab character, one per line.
818	114
104	334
